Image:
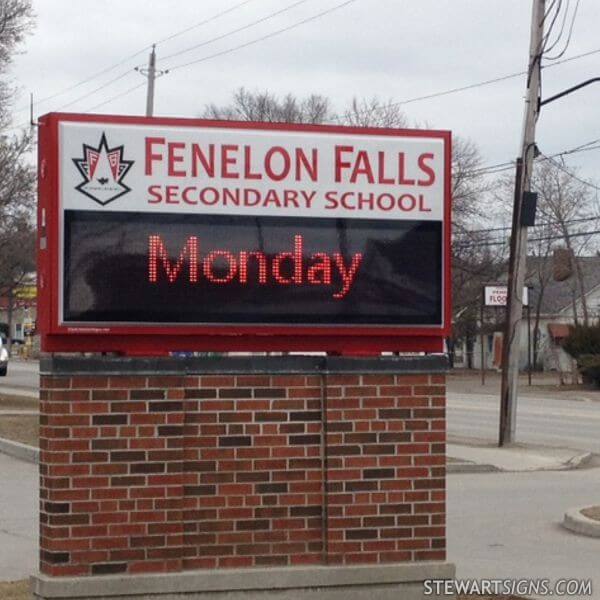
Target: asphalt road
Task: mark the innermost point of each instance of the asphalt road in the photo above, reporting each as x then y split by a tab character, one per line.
507	525
547	422
23	377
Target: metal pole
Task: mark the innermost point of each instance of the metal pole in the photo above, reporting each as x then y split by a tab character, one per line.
151	78
9	318
482	344
528	341
518	250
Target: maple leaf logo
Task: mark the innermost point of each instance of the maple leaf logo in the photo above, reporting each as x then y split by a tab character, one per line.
103	170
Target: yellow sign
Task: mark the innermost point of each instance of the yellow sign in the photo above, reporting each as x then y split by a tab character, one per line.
26	292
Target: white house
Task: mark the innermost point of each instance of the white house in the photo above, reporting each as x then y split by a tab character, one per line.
556	305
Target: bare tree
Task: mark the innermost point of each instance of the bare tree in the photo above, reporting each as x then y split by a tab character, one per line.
374	113
16	20
539	274
266	107
565	202
17	179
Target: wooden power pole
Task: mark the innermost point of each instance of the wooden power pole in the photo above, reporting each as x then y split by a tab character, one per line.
518	243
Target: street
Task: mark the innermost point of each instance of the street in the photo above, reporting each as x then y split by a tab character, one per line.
543	421
22	378
506	525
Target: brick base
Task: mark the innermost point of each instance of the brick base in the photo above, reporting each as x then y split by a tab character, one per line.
165	466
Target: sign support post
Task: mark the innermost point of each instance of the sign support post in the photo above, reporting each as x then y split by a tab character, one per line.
529	361
483	349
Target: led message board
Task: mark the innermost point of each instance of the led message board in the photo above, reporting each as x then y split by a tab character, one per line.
170	234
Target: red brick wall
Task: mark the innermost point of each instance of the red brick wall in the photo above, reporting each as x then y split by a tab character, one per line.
166	473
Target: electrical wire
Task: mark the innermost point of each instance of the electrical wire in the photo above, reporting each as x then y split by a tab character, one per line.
86	80
234	31
474	85
509	165
546	37
553	224
135	55
562	52
540	239
572	175
264	37
205	22
120	95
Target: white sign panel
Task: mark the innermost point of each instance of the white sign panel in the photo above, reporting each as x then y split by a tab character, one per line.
497	295
212	170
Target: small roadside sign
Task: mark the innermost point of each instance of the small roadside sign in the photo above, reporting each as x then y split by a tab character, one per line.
497	295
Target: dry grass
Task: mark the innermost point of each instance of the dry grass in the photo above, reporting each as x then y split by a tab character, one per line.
15	590
593	512
20	428
8	402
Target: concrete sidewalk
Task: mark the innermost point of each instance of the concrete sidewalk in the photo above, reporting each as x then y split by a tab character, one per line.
473	456
18	518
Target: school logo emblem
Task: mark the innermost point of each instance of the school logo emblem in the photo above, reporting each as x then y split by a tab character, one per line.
103	170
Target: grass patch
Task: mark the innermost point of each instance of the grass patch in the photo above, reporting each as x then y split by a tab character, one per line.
20	428
593	512
15	590
8	402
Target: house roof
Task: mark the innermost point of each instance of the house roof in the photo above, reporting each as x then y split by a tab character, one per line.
559	331
558	295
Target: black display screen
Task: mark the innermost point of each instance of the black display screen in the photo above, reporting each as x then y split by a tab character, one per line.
173	269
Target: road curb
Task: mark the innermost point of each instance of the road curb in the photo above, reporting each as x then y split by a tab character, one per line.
20	451
469	467
579	461
578	523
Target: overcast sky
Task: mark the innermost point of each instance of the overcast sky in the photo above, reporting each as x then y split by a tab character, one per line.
393	49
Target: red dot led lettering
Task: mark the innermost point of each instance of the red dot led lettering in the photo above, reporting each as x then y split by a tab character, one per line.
223	267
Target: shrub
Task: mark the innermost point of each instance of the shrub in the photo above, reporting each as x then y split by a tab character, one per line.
583	340
589	365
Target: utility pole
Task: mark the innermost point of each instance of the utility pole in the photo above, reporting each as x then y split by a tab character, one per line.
151	73
151	78
518	242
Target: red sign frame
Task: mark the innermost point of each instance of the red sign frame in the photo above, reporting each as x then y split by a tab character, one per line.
156	340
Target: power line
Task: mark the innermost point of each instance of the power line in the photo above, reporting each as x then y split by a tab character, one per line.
237	30
553	23
477	84
86	80
205	22
572	175
552	224
294	25
508	165
505	242
562	52
94	91
120	95
265	37
136	54
312	18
